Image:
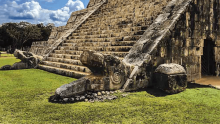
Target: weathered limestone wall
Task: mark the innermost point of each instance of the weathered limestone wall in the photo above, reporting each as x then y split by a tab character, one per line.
39	47
216	31
76	16
185	45
200	24
93	2
177	36
56	32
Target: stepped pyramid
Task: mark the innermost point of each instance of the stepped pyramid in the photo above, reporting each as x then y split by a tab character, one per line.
138	32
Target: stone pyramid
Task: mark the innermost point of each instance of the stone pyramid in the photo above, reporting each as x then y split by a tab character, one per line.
141	33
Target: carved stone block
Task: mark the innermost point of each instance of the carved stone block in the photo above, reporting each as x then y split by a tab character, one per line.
171	78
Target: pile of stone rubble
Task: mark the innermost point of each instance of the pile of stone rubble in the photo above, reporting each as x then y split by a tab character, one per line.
90	97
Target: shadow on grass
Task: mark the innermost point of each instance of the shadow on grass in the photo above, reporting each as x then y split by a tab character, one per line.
195	85
156	92
160	93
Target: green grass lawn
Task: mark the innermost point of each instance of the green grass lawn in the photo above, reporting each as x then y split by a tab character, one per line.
6	55
8	61
24	99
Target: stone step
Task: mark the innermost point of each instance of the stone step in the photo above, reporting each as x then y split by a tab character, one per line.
141	32
121	55
72	52
118	54
132	38
118	28
61	71
87	44
123	43
95	40
92	33
67	66
70	46
78	39
67	61
65	56
87	36
98	48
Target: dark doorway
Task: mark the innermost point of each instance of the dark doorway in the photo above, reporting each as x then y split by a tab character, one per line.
208	60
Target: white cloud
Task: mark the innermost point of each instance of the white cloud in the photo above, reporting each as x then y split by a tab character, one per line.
64	13
32	12
75	5
28	10
49	0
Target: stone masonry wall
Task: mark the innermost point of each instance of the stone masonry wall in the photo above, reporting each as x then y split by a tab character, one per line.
38	47
93	2
185	45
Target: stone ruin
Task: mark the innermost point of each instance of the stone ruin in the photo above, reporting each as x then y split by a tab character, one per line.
133	44
28	60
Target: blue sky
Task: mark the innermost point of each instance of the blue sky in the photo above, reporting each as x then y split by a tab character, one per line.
39	11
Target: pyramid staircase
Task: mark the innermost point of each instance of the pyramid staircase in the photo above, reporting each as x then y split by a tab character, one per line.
113	29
